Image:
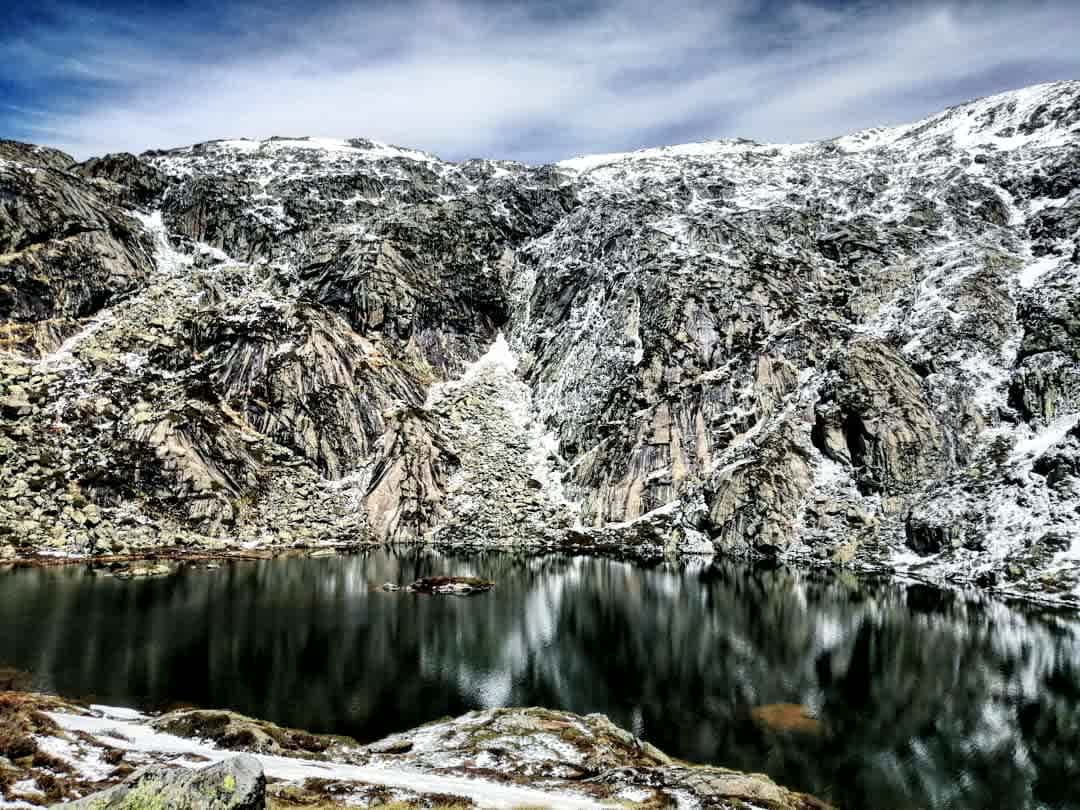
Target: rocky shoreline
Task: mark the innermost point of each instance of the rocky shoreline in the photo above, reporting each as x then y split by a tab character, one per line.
53	750
154	563
166	562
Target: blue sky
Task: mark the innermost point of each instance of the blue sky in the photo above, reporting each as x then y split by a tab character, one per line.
533	81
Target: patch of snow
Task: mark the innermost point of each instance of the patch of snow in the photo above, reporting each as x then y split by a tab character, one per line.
704	149
1032	272
499	354
241	145
141	737
26	787
1042	440
64	355
670	508
331	146
88	763
167	259
117	712
866	140
831	474
990	379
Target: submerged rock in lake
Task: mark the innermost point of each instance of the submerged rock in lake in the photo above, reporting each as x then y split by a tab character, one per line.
143	569
786	717
497	758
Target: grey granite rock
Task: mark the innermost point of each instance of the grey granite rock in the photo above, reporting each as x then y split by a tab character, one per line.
234	784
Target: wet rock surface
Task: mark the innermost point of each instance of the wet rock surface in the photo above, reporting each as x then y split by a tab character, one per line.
861	351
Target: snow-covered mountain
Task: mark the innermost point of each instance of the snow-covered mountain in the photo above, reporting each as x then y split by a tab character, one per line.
862	351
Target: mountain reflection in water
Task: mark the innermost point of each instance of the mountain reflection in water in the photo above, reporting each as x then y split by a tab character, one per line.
871	695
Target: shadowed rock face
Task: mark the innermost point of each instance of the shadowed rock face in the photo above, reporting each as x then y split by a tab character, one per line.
876	420
125	179
65	252
848	350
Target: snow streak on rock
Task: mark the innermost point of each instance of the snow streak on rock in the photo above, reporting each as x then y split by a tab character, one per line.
507	489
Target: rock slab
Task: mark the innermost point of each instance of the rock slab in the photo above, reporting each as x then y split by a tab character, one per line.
234	784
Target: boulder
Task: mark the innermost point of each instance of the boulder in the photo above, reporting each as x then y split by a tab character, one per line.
130	180
240	733
927	535
234	784
454	586
875	418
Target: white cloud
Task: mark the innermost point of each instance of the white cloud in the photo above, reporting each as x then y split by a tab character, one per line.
463	79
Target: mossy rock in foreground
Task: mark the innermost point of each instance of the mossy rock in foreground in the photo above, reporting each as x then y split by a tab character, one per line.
235	784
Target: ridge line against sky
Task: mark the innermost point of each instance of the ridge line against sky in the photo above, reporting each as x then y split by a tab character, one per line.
535	82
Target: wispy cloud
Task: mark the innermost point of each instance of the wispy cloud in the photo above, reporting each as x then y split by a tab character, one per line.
512	79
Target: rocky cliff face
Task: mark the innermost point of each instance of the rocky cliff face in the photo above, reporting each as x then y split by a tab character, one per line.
862	350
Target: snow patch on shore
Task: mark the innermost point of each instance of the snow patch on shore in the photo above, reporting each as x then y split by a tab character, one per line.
130	731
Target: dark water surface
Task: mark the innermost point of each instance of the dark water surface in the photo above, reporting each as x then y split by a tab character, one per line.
925	699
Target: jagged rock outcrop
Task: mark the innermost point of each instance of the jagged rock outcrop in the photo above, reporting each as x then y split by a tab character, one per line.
1045	385
125	179
755	501
302	377
65	252
41	157
862	350
873	417
409	477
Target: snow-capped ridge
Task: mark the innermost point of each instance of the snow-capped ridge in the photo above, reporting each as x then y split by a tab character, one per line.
977	123
700	149
1044	115
351	147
